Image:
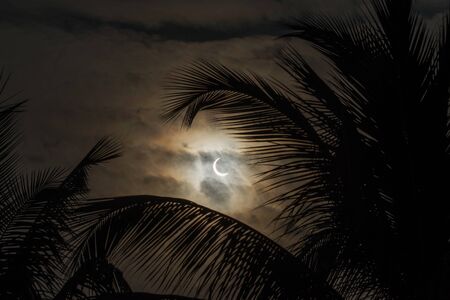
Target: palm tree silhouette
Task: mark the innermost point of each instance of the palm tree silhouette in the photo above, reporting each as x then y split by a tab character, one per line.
35	212
38	222
359	156
177	246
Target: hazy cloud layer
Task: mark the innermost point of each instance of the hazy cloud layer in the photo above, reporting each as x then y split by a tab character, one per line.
216	191
79	23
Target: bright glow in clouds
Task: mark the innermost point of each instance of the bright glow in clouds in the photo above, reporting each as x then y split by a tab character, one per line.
216	170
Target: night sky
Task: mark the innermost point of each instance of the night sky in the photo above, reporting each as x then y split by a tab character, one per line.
94	69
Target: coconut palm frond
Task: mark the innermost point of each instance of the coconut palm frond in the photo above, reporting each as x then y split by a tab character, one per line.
184	248
233	95
29	254
95	279
318	194
9	136
76	184
380	116
445	61
255	111
36	211
295	159
140	296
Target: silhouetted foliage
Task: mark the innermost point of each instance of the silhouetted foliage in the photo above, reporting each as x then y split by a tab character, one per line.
57	244
359	159
183	248
140	296
35	212
359	156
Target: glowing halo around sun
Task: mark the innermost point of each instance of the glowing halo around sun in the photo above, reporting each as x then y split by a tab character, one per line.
218	173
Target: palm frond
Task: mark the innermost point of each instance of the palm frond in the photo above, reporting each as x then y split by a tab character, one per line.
94	279
276	125
338	37
445	49
9	136
184	248
295	159
320	190
385	76
392	20
27	260
440	79
207	86
36	212
140	296
104	150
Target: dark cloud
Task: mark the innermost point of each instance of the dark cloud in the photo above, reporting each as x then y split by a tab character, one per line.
78	23
217	192
189	21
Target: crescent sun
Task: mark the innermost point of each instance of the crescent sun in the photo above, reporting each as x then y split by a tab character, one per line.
217	171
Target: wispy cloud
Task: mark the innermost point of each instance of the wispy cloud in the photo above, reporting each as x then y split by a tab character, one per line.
79	23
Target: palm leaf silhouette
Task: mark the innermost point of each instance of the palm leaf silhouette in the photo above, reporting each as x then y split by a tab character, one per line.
355	155
94	278
183	248
140	296
36	209
37	214
8	131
